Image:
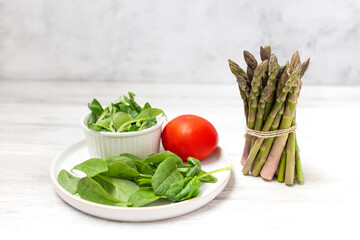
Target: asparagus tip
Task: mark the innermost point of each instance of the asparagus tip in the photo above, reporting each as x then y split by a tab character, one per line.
304	67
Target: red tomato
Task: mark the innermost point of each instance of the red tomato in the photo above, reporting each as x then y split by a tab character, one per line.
190	136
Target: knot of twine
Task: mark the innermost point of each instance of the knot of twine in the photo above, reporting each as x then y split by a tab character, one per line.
270	134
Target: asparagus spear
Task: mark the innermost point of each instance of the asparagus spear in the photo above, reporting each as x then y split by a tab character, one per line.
253	102
295	61
281	172
295	163
250	60
246	150
273	72
265	95
299	172
244	89
291	142
251	64
236	69
265	53
282	70
304	67
290	158
268	49
298	167
246	106
283	79
277	106
255	92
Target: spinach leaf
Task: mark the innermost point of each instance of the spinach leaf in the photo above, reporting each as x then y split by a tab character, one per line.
207	178
92	118
91	190
142	197
132	102
95	107
147	114
68	181
119	118
184	189
91	124
105	123
122	159
120	169
92	167
118	188
195	167
157	158
165	175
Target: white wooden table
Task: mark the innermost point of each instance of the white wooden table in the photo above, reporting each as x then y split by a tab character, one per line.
38	119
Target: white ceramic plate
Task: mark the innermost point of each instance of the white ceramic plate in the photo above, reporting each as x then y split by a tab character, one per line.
78	153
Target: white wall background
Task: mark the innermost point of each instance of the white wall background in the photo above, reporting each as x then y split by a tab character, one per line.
179	40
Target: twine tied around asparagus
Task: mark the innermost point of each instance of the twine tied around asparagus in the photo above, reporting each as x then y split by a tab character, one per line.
270	134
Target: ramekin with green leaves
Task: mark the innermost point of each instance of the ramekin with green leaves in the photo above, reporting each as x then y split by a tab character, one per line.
122	127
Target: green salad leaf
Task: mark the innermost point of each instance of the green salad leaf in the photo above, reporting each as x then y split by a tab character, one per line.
92	167
91	190
165	175
118	188
68	181
143	196
184	189
195	167
95	107
157	158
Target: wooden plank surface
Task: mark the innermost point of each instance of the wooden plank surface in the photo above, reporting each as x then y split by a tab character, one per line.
40	118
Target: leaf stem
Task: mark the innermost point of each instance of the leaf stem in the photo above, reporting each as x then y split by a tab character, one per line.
145	175
215	171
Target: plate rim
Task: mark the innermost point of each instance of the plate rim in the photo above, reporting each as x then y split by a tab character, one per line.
58	187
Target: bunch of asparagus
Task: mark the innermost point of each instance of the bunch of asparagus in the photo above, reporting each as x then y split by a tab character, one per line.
270	93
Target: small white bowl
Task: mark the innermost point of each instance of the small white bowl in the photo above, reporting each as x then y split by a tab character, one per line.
140	143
